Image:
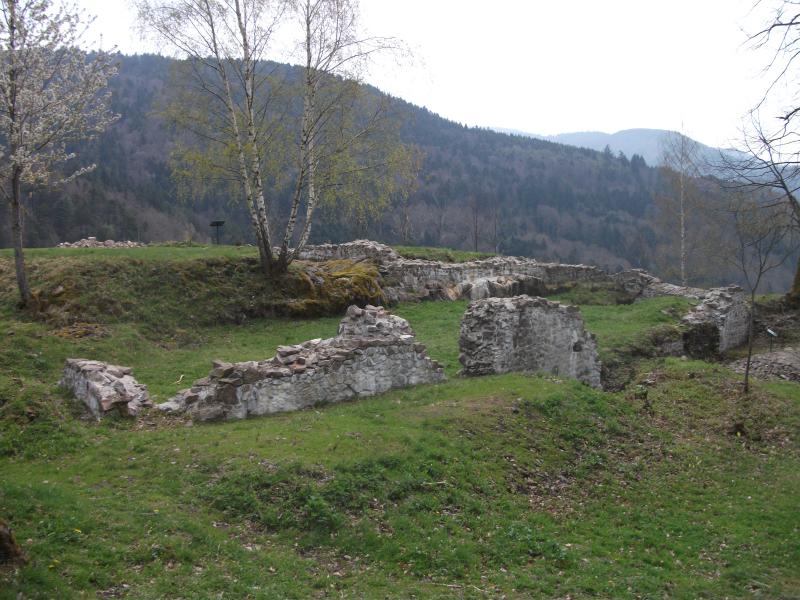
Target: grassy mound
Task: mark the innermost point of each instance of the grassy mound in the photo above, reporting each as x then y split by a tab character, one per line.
172	291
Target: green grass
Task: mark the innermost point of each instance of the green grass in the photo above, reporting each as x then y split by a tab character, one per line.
150	253
513	485
620	325
178	295
504	486
195	251
440	254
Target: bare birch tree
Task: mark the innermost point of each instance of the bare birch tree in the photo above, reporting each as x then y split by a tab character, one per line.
769	161
326	136
342	146
225	42
680	166
51	95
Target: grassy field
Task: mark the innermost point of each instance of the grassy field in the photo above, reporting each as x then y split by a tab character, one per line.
507	486
155	252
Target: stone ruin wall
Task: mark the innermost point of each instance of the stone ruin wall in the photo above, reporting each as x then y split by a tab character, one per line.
717	324
373	352
527	334
103	387
641	284
416	279
356	250
719	321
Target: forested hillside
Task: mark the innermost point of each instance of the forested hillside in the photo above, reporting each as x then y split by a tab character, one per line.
476	187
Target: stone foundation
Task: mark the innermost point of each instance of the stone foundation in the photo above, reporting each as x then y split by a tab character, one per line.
500	335
718	324
355	250
373	353
103	387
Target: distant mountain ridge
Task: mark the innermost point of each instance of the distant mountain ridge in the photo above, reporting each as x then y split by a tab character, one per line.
476	189
647	143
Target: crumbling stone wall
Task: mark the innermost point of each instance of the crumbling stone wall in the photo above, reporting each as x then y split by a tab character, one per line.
373	352
719	323
523	333
641	284
415	279
103	387
355	250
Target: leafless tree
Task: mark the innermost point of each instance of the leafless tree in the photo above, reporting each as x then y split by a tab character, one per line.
475	215
680	168
51	95
764	239
769	157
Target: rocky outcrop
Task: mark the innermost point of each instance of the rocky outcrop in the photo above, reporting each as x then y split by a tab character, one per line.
93	242
718	324
103	387
782	365
500	335
373	352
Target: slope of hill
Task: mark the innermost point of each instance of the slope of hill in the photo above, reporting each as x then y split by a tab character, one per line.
647	143
477	190
502	486
530	197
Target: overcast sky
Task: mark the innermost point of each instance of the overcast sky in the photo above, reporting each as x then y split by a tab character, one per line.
547	66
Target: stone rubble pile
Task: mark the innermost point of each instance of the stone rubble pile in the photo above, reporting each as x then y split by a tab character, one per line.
92	242
527	334
781	365
103	387
373	352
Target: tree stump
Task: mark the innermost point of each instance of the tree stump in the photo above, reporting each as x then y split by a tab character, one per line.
10	552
